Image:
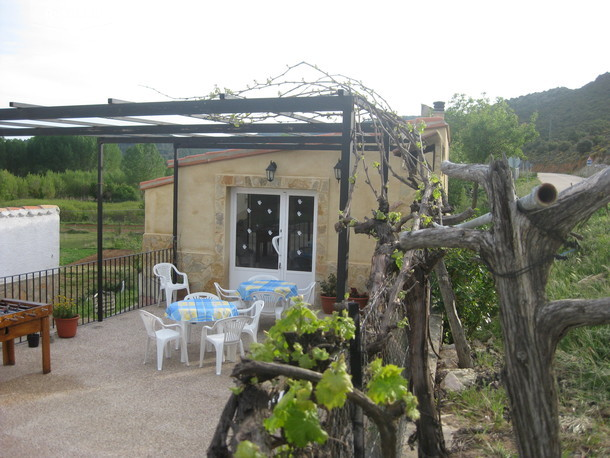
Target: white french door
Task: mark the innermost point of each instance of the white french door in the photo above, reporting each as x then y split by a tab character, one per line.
273	232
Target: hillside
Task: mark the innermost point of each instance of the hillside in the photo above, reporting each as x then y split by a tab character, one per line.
573	125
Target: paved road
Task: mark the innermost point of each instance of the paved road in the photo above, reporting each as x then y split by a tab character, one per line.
560	180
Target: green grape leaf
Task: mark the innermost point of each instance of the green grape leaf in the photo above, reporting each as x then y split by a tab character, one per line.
319	354
237	390
332	390
398	258
380	215
262	352
303	426
411	407
297	414
305	361
387	385
247	449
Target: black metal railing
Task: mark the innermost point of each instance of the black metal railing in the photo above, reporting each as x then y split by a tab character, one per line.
128	284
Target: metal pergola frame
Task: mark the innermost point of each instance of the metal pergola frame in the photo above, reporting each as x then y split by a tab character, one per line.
127	122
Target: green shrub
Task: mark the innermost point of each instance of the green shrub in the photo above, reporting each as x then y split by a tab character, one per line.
9	187
476	299
457	192
123	193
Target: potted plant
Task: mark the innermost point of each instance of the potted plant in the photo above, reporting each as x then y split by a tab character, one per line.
65	316
328	293
356	296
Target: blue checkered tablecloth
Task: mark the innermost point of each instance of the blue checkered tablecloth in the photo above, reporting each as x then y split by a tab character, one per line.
200	310
286	288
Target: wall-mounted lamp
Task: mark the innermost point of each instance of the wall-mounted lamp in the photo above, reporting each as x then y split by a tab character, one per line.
337	170
271	168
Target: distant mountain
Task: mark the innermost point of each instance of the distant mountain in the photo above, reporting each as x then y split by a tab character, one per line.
573	123
561	110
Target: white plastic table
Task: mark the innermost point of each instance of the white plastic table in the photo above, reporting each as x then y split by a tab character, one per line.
200	310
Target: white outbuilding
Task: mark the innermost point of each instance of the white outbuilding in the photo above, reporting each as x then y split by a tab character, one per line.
29	239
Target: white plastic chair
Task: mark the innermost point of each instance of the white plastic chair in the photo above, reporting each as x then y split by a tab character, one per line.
262	277
201	295
274	302
164	271
252	328
229	295
307	293
160	332
225	333
198	295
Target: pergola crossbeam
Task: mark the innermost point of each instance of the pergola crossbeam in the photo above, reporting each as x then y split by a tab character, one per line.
176	129
190	107
322	122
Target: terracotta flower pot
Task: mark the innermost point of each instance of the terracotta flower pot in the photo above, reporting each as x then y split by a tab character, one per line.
328	304
362	301
66	327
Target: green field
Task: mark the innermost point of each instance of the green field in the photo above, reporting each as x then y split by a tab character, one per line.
123	226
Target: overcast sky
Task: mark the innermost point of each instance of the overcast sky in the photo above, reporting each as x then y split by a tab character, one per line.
64	52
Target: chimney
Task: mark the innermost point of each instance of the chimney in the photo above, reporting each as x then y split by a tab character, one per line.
426	111
439	109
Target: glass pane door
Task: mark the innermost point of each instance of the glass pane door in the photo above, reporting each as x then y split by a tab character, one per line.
300	233
273	233
257	222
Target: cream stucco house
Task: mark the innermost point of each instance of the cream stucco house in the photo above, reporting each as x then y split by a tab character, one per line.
233	222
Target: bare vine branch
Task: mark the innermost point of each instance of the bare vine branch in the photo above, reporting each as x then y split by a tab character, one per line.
557	317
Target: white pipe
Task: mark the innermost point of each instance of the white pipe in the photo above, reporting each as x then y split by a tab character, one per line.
479	221
540	197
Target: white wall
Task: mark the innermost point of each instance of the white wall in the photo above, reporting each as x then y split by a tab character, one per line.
29	239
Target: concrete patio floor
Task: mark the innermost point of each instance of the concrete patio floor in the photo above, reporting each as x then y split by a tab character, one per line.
101	400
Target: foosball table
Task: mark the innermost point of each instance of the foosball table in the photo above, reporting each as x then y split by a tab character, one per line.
19	318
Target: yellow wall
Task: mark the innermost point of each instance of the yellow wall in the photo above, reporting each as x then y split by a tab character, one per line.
203	202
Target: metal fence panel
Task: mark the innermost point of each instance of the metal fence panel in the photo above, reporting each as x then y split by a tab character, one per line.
128	284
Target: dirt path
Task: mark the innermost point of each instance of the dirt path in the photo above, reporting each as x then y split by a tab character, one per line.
560	180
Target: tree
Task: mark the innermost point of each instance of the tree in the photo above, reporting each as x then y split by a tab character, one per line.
113	157
519	249
584	146
301	349
61	153
399	281
15	157
3	160
78	182
481	129
141	163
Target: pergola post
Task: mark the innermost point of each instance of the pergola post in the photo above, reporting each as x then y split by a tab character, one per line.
100	232
347	133
175	208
